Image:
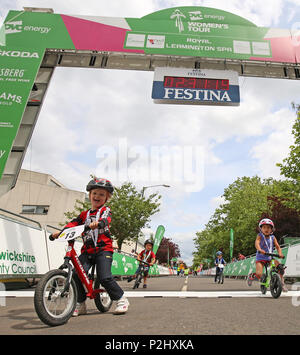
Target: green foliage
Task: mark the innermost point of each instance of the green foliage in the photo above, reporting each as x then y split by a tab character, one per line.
290	169
244	202
78	208
131	212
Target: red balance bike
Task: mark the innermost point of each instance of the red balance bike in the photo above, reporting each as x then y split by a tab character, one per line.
56	293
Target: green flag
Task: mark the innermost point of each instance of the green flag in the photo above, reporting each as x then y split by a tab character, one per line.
231	243
158	237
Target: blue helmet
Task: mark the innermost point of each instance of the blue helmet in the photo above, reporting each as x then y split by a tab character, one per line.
219	253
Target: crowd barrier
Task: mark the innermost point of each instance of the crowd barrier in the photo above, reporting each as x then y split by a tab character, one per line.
244	267
27	252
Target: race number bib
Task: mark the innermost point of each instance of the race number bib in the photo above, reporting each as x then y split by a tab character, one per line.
71	233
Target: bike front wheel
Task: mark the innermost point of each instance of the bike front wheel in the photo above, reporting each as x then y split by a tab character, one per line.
51	306
275	286
222	278
137	281
102	301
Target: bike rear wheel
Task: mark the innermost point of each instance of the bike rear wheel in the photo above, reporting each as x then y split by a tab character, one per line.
102	301
52	308
275	286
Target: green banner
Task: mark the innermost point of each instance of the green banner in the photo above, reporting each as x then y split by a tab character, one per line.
158	238
125	265
231	243
18	69
244	267
199	31
22	46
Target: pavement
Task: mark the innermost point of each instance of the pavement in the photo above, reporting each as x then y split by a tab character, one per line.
169	306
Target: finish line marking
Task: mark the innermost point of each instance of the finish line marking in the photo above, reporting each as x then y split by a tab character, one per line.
208	294
179	294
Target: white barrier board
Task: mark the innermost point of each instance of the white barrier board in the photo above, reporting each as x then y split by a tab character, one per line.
23	250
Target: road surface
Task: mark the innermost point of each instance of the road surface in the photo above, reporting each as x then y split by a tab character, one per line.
169	306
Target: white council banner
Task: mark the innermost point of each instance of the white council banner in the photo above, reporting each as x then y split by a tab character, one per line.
22	250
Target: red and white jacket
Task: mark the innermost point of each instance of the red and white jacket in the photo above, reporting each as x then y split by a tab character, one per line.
98	236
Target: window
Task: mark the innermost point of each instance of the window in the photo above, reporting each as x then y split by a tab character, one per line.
35	209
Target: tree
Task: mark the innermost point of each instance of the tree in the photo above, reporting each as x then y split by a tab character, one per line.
245	200
78	208
167	249
286	219
131	212
290	168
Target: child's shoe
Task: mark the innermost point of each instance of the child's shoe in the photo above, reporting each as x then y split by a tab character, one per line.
80	309
122	305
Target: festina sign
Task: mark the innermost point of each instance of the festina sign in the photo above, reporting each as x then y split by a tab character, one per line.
196	86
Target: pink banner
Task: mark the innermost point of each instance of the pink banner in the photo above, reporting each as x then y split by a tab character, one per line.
90	35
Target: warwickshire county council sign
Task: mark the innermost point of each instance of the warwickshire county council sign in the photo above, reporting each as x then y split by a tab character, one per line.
196	86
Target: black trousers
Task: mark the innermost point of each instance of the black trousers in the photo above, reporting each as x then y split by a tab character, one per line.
218	271
103	261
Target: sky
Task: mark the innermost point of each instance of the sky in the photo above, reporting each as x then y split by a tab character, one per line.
89	113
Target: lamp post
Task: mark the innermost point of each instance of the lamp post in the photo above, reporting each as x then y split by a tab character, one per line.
146	187
143	192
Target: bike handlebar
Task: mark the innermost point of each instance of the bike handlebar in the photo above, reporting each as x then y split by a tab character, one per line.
144	262
274	255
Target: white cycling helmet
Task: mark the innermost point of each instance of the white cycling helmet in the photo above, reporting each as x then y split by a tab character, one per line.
266	221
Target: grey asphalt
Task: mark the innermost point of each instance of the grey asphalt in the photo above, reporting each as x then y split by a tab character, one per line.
168	316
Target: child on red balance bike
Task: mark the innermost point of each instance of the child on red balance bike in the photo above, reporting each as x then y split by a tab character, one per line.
97	245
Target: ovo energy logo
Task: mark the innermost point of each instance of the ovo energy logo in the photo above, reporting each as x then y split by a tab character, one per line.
13	27
17	27
195	15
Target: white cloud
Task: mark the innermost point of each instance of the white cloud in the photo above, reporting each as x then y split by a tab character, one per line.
116	8
217	201
186	244
274	146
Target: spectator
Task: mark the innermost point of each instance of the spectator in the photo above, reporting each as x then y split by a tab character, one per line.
241	256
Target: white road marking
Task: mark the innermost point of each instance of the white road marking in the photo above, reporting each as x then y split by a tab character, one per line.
185	294
185	285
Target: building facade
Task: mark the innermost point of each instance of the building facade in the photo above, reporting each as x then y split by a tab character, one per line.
40	197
